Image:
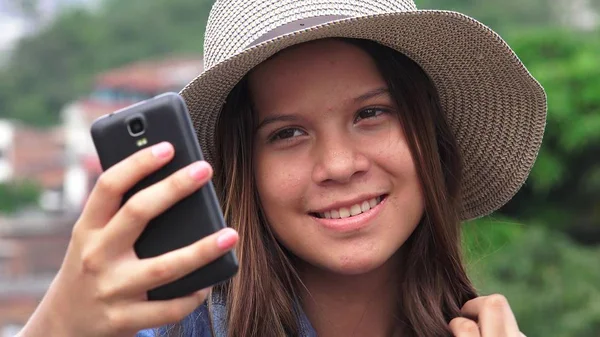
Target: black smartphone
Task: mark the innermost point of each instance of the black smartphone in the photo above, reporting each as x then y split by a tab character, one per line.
118	135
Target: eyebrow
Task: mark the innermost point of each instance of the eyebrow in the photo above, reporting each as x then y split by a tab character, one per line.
276	118
292	118
372	94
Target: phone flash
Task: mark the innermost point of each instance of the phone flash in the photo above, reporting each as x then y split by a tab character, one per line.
141	142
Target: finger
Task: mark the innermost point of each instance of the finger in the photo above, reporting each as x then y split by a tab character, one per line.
464	327
494	315
105	198
152	314
129	222
154	272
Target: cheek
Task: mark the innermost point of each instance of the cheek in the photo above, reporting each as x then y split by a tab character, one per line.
392	153
281	185
394	157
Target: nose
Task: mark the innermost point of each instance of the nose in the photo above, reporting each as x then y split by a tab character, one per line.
339	159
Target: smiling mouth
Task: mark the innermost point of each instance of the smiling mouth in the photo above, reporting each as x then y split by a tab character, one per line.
348	212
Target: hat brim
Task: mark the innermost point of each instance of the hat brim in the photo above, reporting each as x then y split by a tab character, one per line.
496	109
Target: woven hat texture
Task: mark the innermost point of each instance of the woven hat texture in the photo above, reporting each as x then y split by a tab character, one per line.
496	109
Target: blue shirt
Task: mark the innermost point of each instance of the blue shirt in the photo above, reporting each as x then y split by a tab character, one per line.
198	323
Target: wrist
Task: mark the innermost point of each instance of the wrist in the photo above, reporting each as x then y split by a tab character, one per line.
48	319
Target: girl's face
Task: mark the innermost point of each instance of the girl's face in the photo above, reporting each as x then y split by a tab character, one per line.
333	168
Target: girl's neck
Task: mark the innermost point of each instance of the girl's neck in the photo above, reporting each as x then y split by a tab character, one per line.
352	305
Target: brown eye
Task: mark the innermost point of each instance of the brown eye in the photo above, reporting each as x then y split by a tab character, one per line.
369	113
287	134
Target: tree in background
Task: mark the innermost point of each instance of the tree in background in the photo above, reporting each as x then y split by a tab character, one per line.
551	283
17	195
55	66
563	190
500	15
508	15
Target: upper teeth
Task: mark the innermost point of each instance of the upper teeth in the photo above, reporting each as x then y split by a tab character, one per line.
353	210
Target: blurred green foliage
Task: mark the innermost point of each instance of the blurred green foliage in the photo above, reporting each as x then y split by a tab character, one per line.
515	15
500	15
17	195
57	65
551	282
563	190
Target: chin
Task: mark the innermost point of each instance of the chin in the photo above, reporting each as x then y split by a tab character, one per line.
354	264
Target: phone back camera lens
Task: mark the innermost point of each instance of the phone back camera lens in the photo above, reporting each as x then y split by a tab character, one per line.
136	126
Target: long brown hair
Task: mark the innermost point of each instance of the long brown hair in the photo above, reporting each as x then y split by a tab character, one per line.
261	299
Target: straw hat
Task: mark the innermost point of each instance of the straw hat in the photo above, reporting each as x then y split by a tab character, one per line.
496	109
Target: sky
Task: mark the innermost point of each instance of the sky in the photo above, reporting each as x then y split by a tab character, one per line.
13	26
11	29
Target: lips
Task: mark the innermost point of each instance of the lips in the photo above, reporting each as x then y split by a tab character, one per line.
346	223
350	211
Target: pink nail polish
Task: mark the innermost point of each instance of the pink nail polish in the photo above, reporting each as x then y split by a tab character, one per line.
227	238
199	170
162	150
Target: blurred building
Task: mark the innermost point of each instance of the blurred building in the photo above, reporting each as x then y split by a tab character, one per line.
32	247
114	90
36	155
6	146
63	161
32	242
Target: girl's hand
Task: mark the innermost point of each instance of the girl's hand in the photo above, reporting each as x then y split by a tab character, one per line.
101	287
486	316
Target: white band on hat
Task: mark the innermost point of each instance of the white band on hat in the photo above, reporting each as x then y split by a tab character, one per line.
295	26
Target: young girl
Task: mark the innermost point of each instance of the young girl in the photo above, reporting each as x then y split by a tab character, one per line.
348	138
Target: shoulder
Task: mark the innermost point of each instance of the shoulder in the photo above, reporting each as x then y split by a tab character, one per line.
197	324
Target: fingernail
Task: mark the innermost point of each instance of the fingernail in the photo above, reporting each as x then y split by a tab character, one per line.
162	150
199	170
227	238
